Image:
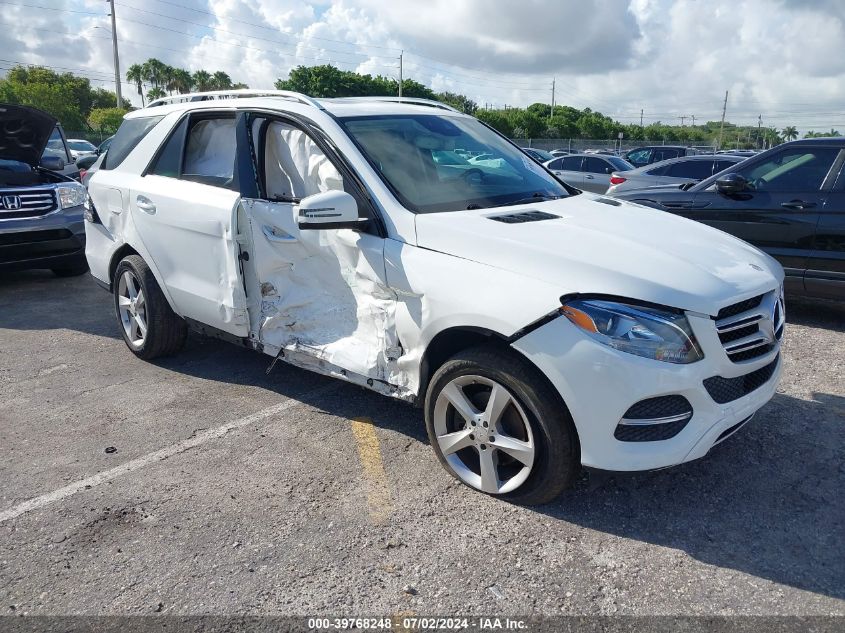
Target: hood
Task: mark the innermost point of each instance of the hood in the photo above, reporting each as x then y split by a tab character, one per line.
606	246
24	133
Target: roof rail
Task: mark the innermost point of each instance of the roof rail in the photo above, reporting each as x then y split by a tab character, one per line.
414	100
235	94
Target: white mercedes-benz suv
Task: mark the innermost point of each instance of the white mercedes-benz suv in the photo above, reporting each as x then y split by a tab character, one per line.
408	248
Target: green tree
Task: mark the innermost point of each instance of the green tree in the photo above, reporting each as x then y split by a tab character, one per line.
135	74
63	95
202	80
221	81
155	72
155	93
106	120
180	81
789	133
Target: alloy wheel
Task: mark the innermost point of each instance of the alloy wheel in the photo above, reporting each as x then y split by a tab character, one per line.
132	308
484	434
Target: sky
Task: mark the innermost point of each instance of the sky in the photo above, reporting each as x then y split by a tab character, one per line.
782	59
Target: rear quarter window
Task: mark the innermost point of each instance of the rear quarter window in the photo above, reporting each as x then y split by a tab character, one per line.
128	135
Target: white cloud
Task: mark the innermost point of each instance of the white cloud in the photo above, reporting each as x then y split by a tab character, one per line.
779	58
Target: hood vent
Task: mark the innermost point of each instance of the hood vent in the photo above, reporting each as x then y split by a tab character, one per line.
526	216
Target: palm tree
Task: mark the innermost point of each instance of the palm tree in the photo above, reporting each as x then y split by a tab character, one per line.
202	81
180	80
833	133
239	86
221	81
135	75
155	72
155	93
789	133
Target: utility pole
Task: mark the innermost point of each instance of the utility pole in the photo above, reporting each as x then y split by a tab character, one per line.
759	124
641	117
682	118
401	78
722	127
552	111
692	116
116	58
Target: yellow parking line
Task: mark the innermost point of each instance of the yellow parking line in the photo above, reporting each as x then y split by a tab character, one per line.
378	495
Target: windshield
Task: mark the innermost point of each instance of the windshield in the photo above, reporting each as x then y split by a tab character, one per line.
448	163
83	146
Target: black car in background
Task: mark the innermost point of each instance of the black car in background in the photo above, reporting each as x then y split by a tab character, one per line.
641	156
788	201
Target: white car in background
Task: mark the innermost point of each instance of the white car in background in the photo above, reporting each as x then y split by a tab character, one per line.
80	147
539	328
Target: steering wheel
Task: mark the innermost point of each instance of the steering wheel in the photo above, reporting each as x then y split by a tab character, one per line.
473	176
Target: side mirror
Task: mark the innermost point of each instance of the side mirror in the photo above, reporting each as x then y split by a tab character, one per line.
53	163
731	183
329	210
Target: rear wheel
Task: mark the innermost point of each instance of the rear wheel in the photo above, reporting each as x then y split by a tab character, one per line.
148	325
498	426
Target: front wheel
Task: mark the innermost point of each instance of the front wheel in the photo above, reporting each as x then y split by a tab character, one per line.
498	426
149	326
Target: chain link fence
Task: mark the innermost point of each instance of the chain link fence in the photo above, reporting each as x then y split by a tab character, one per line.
613	145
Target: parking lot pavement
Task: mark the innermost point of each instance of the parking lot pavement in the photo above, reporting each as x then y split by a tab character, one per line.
231	491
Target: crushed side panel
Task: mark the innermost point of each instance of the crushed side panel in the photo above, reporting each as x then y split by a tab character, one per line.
324	299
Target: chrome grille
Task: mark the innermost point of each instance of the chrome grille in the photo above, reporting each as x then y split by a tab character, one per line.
26	203
751	328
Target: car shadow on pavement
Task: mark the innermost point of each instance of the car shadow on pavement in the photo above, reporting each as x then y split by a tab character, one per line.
38	300
829	315
766	502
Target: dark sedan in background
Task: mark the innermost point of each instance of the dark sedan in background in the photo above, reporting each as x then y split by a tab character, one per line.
789	201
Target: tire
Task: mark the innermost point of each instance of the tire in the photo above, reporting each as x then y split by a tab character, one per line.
73	270
165	332
532	402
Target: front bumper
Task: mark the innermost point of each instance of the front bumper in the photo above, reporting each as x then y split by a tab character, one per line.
55	240
600	384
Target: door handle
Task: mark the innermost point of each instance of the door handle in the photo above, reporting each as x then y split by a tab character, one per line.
589	177
275	234
798	204
146	205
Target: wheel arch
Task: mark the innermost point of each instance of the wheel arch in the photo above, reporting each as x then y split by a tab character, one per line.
124	251
452	340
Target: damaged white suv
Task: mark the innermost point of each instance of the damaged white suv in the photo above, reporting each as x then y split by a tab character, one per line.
410	249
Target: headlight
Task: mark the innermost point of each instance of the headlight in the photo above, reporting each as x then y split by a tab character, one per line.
71	195
648	332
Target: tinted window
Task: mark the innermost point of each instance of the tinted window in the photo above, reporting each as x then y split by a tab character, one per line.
723	164
572	163
794	169
692	169
129	134
666	154
594	165
169	161
620	164
556	164
210	152
657	171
